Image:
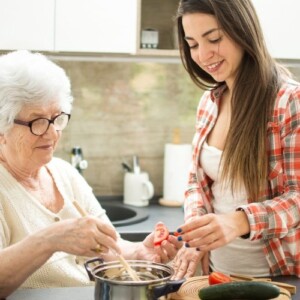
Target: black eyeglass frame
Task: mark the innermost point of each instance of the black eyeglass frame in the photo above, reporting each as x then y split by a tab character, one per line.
50	121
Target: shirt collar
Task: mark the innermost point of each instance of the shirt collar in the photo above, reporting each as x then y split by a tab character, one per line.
217	92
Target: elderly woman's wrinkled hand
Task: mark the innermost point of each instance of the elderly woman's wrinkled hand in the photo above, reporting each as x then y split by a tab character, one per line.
163	253
82	236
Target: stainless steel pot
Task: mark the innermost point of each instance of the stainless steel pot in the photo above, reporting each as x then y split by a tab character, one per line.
113	282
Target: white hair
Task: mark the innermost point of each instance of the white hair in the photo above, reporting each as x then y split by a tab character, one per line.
30	79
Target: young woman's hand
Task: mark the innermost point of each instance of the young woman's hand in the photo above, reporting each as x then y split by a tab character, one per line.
188	260
212	231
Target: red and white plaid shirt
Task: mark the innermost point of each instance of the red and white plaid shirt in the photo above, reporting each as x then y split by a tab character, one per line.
276	219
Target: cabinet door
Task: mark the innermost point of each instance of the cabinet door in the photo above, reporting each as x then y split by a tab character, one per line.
96	26
280	21
27	24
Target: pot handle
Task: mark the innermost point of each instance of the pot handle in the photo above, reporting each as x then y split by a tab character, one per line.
170	287
88	269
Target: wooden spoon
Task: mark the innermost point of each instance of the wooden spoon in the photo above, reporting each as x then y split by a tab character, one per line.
122	260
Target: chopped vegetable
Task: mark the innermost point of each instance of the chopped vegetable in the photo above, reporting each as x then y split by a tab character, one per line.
161	233
217	278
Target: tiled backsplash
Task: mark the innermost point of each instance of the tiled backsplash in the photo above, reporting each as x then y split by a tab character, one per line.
123	109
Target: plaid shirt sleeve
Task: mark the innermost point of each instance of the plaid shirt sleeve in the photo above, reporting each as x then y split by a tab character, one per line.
277	218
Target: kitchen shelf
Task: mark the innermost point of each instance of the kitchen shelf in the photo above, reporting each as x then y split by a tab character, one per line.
158	52
158	15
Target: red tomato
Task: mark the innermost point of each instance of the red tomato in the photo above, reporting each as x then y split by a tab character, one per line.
161	233
218	277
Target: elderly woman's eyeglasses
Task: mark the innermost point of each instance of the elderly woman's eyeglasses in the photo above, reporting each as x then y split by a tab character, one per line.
39	126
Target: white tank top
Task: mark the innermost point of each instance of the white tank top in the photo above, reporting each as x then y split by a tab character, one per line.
241	256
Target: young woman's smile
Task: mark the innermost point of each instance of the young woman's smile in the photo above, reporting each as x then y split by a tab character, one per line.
211	49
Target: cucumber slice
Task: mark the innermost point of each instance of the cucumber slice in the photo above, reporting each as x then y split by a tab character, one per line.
240	290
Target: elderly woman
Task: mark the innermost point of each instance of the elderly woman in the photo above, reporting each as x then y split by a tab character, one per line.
41	231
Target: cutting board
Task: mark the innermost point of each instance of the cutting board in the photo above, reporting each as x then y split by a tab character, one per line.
189	290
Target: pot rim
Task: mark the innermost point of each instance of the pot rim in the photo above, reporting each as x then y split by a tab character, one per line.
139	263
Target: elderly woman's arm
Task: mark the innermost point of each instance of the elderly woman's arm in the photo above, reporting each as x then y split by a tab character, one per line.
74	236
20	260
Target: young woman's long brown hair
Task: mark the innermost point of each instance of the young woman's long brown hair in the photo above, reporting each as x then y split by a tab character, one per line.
256	85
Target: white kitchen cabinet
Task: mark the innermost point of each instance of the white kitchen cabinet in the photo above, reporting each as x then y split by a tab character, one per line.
27	24
280	20
107	26
114	26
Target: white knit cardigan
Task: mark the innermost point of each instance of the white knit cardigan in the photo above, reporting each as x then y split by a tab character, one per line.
21	215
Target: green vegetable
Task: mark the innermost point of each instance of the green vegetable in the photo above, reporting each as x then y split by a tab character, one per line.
240	290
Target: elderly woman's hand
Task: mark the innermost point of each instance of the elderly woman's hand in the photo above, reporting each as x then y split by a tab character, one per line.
163	253
81	236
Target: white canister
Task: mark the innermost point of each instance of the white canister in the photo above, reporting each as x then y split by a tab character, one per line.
149	38
138	189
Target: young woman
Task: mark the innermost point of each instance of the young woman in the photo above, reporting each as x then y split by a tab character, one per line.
242	205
